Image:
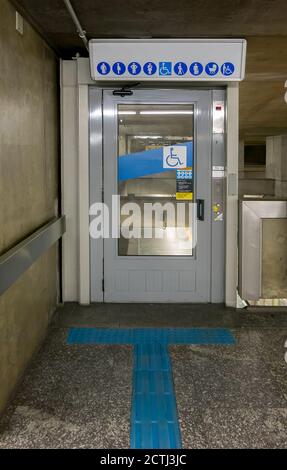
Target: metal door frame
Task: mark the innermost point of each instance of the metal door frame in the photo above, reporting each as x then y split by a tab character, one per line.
217	236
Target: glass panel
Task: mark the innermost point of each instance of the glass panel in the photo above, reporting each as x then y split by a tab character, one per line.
143	132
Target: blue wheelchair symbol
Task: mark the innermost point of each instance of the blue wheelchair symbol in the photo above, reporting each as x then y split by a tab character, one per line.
227	69
180	68
103	68
134	68
165	68
211	68
149	68
119	68
173	159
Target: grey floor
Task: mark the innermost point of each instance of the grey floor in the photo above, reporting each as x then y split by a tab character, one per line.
227	396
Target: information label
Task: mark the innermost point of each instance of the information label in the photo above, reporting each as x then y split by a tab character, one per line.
184	184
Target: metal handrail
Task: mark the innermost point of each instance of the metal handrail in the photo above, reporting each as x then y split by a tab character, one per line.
18	259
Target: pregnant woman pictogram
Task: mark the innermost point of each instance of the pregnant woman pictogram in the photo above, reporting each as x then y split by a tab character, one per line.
173	159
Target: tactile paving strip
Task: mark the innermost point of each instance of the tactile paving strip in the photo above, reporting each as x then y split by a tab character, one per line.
150	335
154	420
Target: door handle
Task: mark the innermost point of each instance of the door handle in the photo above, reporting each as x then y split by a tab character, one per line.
200	209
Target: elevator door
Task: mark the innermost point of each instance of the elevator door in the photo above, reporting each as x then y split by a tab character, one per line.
157	156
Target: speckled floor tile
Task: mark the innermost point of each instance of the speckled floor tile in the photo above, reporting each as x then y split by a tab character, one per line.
233	396
226	383
72	396
251	345
240	428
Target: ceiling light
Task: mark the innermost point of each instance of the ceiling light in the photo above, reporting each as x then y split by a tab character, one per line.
147	137
127	112
166	112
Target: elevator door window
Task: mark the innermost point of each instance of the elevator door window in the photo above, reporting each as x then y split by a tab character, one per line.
144	130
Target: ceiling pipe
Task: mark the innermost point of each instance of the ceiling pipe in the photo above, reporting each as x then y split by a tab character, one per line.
75	19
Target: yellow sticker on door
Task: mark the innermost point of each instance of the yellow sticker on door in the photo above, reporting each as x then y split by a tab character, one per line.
185	196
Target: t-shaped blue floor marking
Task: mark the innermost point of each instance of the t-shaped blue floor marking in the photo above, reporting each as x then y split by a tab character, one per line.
154	420
150	335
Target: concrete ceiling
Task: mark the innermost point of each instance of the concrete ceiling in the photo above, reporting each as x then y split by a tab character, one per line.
262	22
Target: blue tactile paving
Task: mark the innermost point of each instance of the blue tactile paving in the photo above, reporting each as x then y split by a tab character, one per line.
149	381
154	420
150	357
150	335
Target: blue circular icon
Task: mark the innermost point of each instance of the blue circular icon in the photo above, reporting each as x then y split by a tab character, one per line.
196	68
134	68
211	68
227	69
119	68
103	68
180	68
149	68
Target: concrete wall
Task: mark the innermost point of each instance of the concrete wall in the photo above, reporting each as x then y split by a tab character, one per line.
29	160
276	163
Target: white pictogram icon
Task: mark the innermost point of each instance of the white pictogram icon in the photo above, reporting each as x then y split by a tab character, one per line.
103	68
195	69
179	69
212	69
226	69
150	68
165	68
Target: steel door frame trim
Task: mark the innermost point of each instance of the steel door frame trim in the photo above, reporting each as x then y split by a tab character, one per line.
83	193
96	189
231	225
96	156
18	259
218	228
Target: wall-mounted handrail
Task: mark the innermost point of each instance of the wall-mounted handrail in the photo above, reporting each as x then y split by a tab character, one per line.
18	259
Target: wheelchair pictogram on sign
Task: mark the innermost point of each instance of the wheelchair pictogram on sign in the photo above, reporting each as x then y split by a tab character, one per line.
174	157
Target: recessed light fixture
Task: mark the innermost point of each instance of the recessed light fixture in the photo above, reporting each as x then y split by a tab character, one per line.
127	113
166	112
152	112
147	137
